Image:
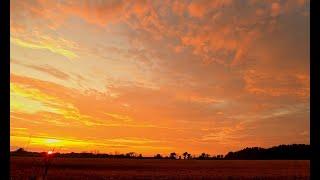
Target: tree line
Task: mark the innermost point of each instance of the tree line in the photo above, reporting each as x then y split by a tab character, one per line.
293	151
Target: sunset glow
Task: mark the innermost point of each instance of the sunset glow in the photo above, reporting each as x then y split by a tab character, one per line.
159	76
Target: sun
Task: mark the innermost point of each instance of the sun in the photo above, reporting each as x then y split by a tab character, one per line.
50	152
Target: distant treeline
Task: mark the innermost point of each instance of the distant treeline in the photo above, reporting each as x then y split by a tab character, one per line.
294	151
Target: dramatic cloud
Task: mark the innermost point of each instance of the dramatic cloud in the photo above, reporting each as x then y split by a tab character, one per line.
159	76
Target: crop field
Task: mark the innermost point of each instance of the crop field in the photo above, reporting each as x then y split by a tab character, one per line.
83	168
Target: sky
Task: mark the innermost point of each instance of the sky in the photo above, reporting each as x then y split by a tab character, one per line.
153	77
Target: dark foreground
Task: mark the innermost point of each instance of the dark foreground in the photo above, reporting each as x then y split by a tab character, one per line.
81	168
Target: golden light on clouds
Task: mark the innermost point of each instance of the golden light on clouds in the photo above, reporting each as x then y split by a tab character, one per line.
159	76
51	46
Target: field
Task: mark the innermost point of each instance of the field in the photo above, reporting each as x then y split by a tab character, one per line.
82	168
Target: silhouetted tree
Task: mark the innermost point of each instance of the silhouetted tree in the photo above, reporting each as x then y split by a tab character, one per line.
173	155
185	155
131	154
189	156
20	150
204	156
294	151
158	156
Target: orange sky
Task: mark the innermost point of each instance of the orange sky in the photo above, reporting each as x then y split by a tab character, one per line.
159	76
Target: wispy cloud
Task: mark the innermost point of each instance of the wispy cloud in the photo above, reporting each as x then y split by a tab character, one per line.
46	44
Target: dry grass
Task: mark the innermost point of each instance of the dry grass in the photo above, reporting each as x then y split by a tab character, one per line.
65	168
